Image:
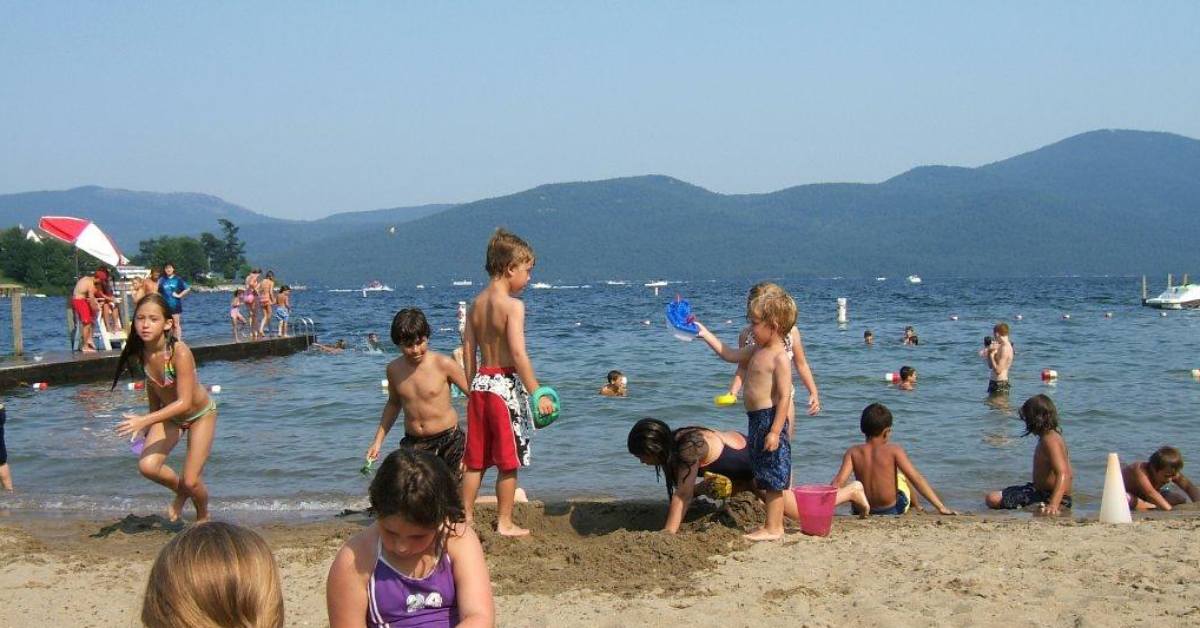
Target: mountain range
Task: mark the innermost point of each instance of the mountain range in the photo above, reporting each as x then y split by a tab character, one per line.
1103	202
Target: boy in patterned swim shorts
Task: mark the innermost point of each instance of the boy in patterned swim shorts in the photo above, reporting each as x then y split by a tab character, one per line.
499	419
767	391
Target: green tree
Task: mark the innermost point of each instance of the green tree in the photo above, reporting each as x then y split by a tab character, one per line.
231	255
48	266
186	253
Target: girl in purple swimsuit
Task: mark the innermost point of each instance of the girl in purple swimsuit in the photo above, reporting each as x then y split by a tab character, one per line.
418	564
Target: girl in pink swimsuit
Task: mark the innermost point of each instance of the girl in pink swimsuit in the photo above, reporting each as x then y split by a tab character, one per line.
418	564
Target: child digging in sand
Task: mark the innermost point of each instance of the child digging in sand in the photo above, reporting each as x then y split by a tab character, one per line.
418	384
1147	484
499	419
417	564
1051	485
884	469
213	575
768	395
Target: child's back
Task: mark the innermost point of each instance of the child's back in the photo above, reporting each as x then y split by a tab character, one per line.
874	464
489	319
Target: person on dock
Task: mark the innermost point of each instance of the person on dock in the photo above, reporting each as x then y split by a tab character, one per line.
283	309
250	297
86	304
146	285
266	300
1000	360
419	385
235	314
700	461
499	417
178	404
173	288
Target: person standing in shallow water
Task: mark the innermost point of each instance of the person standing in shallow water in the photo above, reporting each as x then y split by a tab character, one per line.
1000	359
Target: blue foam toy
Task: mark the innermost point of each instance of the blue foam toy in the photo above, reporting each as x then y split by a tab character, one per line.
681	320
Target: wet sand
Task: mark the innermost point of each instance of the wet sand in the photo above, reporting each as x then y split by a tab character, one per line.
602	564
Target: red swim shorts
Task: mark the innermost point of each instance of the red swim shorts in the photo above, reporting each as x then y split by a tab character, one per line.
83	310
497	421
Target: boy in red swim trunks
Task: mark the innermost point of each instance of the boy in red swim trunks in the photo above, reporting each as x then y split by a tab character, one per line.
85	301
499	419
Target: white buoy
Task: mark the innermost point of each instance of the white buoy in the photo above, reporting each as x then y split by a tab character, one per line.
1020	318
954	317
1196	373
1049	375
841	311
645	322
891	378
1162	314
135	385
1108	315
40	386
462	316
1114	505
383	383
1066	317
215	388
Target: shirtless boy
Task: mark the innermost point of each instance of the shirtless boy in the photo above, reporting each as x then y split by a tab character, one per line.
499	419
908	378
1052	475
85	302
418	384
999	359
1147	484
883	467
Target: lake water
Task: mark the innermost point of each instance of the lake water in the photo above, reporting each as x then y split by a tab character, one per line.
292	431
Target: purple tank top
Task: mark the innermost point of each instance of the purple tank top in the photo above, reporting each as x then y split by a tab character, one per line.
395	600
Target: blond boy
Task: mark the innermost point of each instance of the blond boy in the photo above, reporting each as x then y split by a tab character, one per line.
767	391
499	419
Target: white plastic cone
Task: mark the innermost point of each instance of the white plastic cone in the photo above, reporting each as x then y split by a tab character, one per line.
1114	506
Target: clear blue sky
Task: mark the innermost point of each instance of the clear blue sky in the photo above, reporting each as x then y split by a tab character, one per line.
302	109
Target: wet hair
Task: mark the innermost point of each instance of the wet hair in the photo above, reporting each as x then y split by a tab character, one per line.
987	341
270	274
669	450
1167	458
1001	329
1040	416
915	339
284	288
340	344
212	575
868	334
419	487
505	249
906	372
409	327
131	353
875	419
614	376
774	307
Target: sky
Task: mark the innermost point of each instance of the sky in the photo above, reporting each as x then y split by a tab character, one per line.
302	109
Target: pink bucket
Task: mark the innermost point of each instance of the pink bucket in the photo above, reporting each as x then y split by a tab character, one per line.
816	504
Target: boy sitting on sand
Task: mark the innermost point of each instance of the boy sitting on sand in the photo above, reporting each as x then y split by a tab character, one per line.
418	384
908	378
884	469
499	419
615	386
1052	475
1147	483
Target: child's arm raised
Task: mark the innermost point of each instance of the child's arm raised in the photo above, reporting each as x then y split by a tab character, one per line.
918	481
185	388
806	376
391	410
685	487
724	352
472	585
1057	450
735	384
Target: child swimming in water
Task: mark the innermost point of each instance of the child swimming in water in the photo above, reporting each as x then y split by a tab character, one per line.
178	404
908	378
417	564
215	574
235	314
615	386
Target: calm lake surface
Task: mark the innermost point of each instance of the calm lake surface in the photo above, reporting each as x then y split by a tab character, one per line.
292	431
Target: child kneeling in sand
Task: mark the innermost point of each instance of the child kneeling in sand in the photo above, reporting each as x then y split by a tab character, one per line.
417	564
1147	484
212	575
419	383
1052	475
884	469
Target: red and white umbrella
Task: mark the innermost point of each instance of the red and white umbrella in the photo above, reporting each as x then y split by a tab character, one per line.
86	236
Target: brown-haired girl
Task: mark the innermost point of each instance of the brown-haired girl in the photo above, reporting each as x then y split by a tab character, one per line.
214	575
178	404
417	565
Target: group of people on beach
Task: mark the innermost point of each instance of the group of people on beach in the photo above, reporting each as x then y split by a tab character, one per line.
421	561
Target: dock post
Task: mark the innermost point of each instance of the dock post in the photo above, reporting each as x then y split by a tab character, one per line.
841	311
1170	281
71	324
1185	280
18	339
1144	295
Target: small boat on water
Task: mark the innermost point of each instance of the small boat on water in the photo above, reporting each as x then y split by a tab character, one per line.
656	284
614	282
881	279
541	286
420	286
462	282
1185	296
376	286
914	279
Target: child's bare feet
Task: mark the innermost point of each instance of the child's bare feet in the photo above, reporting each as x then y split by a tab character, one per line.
176	508
762	534
511	529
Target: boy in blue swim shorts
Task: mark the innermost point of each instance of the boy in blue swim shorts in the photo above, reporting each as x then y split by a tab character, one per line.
767	388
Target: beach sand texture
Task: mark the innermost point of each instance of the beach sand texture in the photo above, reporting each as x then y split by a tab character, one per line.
597	564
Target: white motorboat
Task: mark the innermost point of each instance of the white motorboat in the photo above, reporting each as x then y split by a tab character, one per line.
914	279
614	282
1177	298
375	286
420	286
462	282
655	284
881	279
541	286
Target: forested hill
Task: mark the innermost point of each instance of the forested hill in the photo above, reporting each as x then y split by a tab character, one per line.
1104	202
1097	203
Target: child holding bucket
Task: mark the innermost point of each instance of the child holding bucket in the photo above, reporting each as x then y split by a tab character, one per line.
178	404
883	467
768	395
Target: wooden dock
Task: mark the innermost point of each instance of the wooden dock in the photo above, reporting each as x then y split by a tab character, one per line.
61	368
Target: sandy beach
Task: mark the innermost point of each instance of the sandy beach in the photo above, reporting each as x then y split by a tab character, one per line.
598	564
